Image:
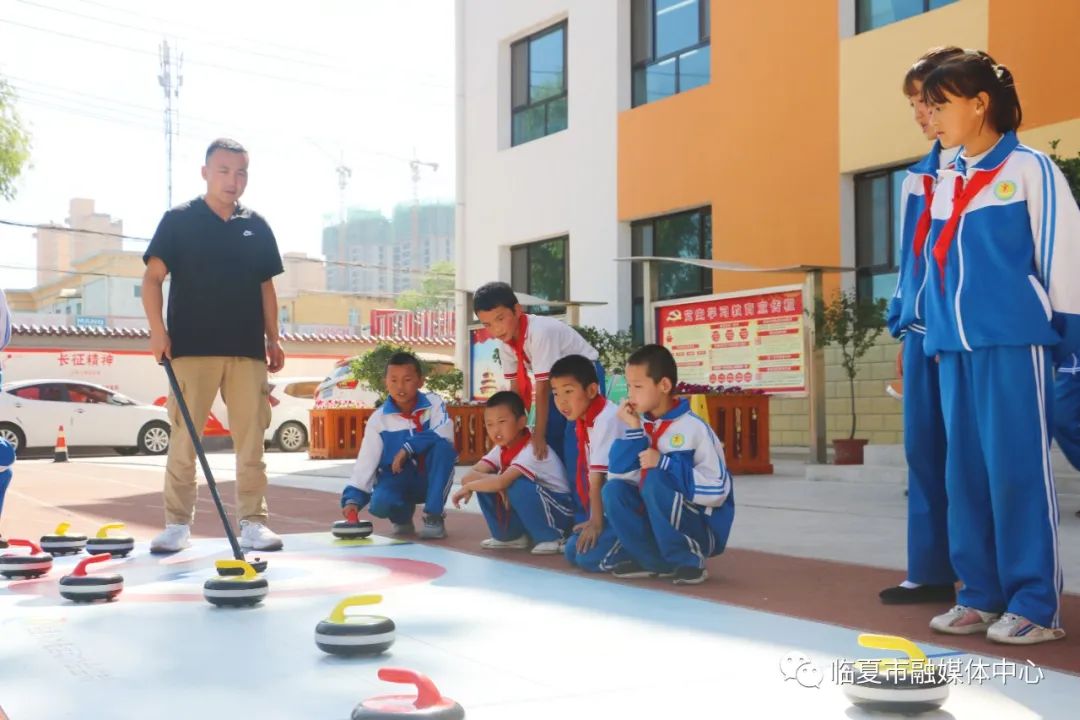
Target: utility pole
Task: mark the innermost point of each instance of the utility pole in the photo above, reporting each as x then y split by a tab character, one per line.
415	164
171	80
344	173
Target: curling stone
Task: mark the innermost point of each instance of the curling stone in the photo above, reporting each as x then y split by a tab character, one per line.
60	543
907	686
257	564
354	635
18	567
116	545
428	702
244	590
82	588
352	527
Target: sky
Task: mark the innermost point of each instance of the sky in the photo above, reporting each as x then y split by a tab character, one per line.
304	86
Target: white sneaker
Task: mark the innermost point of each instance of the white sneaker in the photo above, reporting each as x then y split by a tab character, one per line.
173	539
256	536
963	620
551	547
1012	629
521	543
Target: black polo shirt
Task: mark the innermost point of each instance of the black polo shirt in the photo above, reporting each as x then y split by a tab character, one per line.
217	268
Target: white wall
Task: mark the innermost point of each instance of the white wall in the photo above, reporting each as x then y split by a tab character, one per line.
562	184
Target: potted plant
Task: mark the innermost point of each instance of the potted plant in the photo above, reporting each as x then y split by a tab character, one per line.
853	325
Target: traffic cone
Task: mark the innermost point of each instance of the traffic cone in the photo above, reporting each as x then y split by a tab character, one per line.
61	454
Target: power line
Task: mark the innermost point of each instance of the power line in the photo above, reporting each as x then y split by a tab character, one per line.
223	68
136	238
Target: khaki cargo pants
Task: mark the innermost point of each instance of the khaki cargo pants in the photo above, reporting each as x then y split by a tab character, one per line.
246	392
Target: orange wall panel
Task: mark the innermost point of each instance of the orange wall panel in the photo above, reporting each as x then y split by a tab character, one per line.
759	144
1037	41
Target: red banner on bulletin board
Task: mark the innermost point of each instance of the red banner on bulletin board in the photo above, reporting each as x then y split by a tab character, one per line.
753	340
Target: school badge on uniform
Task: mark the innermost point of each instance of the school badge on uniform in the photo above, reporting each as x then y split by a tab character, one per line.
1004	190
678	440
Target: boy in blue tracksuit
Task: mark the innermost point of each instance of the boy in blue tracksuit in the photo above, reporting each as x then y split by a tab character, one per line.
930	577
524	499
681	509
407	455
595	426
529	346
1002	302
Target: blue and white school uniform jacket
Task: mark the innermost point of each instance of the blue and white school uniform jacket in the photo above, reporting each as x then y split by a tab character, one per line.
907	307
1011	272
690	454
388	431
546	341
548	473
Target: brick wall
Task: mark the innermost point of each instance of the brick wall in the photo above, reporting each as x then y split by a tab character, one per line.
880	417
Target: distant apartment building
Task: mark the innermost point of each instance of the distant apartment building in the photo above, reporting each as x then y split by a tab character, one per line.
370	253
86	233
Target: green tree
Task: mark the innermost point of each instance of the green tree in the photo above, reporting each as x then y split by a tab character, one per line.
614	347
14	142
436	289
370	369
853	325
1069	166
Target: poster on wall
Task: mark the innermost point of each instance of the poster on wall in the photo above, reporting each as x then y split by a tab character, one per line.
487	374
753	340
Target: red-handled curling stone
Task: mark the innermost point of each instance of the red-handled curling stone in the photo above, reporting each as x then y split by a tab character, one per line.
428	702
34	565
354	635
352	527
60	543
115	545
81	588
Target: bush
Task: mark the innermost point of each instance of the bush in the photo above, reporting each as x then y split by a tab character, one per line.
370	369
614	347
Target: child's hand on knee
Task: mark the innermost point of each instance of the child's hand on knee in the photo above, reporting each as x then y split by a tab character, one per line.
461	497
399	461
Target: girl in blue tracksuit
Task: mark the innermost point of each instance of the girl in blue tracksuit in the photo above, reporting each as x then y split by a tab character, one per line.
1002	302
930	576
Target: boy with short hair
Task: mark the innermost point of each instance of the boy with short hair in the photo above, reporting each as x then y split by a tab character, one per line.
520	496
595	422
530	344
407	455
682	510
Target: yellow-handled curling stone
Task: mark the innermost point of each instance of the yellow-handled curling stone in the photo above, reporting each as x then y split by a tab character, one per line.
352	635
906	685
115	545
82	588
20	567
244	590
60	543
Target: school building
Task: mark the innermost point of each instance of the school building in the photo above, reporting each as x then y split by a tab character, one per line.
767	134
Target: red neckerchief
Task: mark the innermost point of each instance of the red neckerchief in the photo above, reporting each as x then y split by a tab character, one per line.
517	344
962	195
416	416
655	431
581	429
922	228
506	457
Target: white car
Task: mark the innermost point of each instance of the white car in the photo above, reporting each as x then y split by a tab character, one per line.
32	411
291	399
342	387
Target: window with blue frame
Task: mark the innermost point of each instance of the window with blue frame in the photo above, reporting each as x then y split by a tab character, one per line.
538	85
872	14
670	47
877	232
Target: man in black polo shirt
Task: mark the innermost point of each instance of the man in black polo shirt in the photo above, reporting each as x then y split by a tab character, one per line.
221	334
